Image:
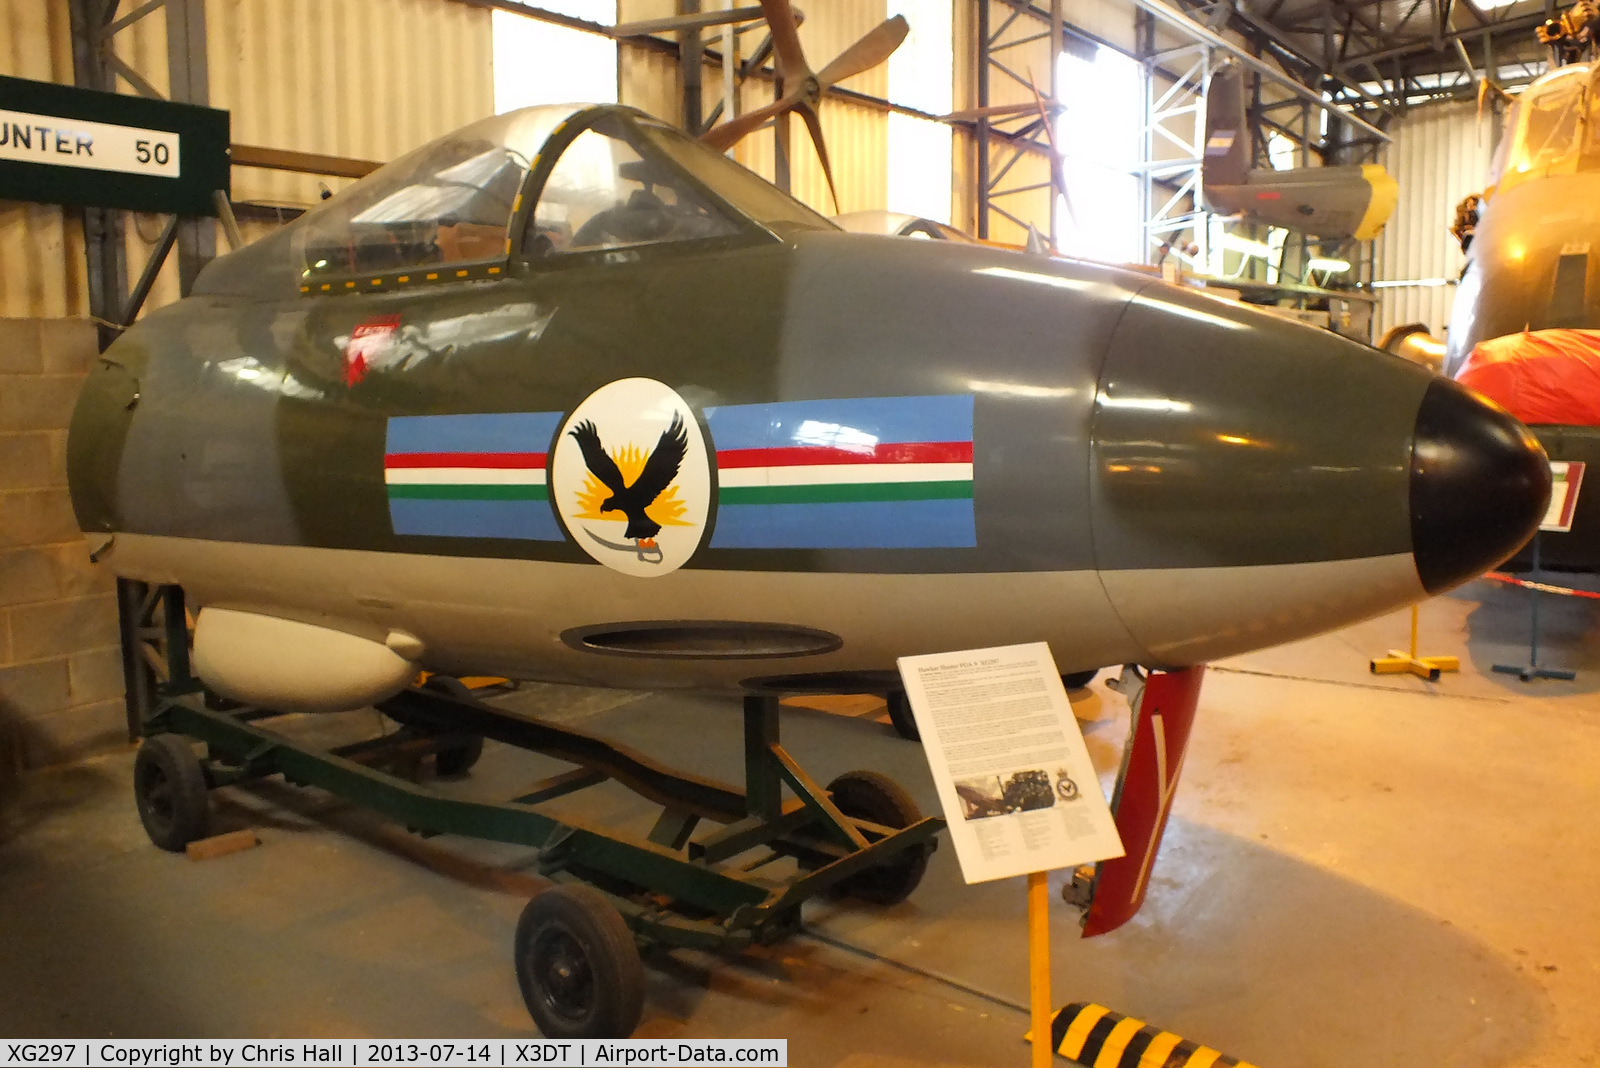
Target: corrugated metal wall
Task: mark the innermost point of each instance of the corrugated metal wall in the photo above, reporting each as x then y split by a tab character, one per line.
41	246
369	79
1439	155
362	78
373	78
857	134
1031	59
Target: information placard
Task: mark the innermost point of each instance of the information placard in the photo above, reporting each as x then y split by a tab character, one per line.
1566	478
1014	775
63	145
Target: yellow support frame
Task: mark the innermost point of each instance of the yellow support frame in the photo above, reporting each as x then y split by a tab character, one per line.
1408	662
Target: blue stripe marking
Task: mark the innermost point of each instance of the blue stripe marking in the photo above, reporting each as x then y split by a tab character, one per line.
524	520
488	432
883	420
851	525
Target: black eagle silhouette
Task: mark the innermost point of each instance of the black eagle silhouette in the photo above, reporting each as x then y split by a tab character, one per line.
659	471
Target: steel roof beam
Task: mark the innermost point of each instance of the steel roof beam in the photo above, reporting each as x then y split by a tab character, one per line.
1425	45
1181	22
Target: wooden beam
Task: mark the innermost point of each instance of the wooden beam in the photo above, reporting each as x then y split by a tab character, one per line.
278	159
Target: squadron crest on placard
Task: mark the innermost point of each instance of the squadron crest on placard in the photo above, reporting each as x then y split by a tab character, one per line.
630	477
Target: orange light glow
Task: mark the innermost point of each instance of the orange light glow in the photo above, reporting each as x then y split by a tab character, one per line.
668	509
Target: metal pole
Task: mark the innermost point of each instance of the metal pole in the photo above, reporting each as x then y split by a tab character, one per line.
762	785
104	247
1056	167
1039	967
982	137
689	67
1533	613
189	78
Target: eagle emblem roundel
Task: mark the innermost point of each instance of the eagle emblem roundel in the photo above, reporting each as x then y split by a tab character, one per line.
630	478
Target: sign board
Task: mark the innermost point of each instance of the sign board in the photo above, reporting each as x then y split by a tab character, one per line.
1015	780
63	145
1566	478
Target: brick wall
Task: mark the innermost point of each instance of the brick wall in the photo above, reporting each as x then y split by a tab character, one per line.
60	664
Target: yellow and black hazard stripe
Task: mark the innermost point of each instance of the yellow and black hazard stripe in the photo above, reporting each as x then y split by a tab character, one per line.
1097	1037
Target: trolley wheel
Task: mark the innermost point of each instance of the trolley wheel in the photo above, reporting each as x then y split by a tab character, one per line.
578	965
1077	680
169	787
905	724
457	759
869	795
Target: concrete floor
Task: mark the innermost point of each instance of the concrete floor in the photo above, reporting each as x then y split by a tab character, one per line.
1360	870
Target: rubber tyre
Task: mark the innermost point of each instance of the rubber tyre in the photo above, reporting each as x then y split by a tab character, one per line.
1077	680
905	724
578	966
869	795
455	760
458	759
169	788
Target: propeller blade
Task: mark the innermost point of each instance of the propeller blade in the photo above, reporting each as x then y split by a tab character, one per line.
786	41
699	20
731	132
814	124
1058	172
878	44
994	110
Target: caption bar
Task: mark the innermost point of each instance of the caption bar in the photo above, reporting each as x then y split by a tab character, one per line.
230	1053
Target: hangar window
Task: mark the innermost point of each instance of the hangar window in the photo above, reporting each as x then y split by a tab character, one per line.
448	203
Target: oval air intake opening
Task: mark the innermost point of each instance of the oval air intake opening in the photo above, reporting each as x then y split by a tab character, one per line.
702	640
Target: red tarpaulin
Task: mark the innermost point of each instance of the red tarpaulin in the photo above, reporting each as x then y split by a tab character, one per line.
1543	376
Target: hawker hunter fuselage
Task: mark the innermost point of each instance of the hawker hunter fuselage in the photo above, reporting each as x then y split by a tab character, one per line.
887	448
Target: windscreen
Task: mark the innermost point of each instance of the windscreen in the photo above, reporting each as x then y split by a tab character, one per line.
602	194
1548	121
449	202
745	190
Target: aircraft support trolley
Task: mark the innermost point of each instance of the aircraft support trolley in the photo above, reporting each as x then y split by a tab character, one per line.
576	945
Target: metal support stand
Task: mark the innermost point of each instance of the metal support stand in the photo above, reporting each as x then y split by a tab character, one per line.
1533	670
713	891
1408	662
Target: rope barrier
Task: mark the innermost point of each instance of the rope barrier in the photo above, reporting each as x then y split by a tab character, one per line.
1542	587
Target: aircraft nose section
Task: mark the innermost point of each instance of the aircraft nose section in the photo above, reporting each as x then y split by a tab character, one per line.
1480	484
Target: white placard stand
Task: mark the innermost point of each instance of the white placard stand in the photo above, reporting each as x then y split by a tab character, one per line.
1018	789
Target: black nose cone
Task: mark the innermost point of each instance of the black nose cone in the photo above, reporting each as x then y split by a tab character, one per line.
1479	486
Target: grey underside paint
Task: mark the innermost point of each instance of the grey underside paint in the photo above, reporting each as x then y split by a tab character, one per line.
508	616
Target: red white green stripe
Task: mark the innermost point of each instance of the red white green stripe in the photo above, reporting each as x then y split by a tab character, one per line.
820	474
488	476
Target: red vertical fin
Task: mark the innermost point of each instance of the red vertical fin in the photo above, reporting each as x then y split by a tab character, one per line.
1160	737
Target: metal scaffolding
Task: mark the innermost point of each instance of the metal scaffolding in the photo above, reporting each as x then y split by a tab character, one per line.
1021	135
1174	148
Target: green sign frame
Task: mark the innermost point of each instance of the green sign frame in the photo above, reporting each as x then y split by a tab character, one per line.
63	145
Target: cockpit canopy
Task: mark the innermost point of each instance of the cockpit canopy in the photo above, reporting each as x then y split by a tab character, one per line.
1554	128
546	182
